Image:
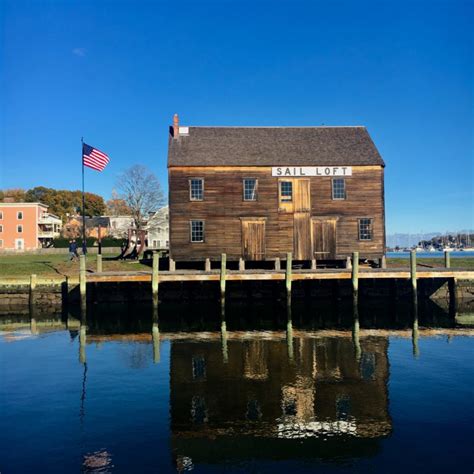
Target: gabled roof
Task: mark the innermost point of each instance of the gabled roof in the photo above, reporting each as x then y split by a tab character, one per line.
273	146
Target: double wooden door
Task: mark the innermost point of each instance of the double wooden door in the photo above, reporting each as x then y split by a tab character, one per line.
302	219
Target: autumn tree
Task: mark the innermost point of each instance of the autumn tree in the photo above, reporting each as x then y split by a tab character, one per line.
116	206
12	195
62	202
141	191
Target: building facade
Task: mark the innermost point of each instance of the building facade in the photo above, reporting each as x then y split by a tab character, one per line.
158	229
259	192
27	226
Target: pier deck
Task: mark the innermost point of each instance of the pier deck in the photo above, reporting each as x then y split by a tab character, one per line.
260	275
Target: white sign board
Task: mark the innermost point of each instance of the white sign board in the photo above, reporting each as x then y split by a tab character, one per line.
301	171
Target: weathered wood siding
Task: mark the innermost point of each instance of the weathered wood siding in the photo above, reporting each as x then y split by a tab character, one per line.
224	208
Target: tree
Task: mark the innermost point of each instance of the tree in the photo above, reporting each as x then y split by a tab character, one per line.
141	191
12	195
62	202
117	206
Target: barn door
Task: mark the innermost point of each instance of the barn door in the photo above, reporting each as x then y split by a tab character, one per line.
324	239
253	239
302	236
302	220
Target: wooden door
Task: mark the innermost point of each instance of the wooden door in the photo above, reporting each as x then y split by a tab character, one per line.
302	236
253	239
324	239
302	196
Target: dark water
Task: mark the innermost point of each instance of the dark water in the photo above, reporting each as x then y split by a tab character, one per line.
322	388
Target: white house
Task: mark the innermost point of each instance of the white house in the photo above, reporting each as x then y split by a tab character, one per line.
158	229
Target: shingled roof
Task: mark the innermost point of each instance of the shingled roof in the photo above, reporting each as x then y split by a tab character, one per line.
273	146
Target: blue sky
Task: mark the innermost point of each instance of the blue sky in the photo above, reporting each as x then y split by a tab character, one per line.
115	72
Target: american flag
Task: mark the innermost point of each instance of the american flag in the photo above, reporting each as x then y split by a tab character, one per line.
94	158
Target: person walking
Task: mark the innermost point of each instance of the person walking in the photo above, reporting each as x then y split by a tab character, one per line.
73	255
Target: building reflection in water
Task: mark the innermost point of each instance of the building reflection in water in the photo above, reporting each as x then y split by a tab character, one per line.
264	392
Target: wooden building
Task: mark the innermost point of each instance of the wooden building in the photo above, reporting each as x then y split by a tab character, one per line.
259	192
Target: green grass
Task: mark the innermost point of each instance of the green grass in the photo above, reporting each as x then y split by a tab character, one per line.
463	262
58	265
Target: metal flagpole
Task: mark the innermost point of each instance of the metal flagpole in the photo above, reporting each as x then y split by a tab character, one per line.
84	245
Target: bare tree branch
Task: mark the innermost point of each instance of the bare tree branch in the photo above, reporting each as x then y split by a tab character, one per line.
142	192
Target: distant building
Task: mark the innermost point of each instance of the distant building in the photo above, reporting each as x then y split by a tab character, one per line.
110	226
27	226
158	229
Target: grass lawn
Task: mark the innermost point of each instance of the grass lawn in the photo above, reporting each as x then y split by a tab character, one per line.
58	265
466	263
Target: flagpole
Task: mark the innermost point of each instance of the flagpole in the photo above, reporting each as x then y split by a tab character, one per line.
84	245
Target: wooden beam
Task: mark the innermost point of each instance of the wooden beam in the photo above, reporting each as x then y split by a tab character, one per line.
289	265
155	278
413	270
223	274
99	263
447	259
355	273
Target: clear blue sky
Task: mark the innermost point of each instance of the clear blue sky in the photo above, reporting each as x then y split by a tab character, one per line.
116	71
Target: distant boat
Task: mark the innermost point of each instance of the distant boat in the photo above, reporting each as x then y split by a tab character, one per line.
448	249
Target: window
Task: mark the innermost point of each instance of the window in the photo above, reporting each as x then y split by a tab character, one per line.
286	191
1	243
250	189
197	231
339	188
19	215
19	229
1	215
196	189
365	229
1	228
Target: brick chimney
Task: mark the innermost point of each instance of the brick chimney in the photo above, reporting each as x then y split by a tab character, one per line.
175	126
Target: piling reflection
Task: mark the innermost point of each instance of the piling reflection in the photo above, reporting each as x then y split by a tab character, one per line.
155	334
415	332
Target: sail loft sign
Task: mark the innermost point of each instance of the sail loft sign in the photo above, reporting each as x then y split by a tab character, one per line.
301	171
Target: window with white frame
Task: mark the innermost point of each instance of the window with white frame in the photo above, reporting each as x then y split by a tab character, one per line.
286	191
1	215
250	189
196	189
19	229
19	215
197	231
365	229
339	188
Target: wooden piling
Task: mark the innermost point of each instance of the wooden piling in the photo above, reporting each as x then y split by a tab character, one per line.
241	265
155	335
172	265
355	273
348	263
289	264
207	265
413	270
277	263
314	264
415	331
289	330
223	274
99	263
383	262
82	278
155	277
447	259
33	280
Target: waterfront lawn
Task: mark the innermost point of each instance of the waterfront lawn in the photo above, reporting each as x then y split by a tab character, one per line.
58	265
461	262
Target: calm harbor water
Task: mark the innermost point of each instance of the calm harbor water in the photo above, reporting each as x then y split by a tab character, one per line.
382	387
